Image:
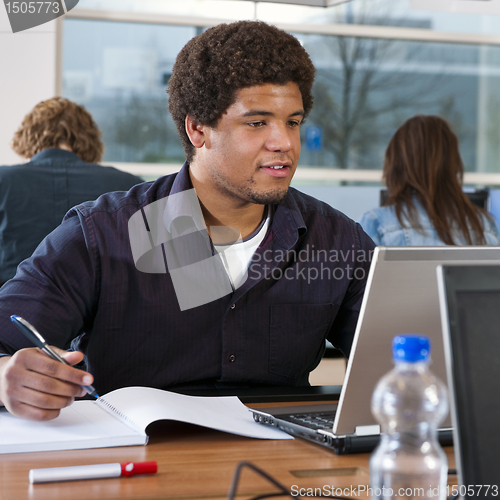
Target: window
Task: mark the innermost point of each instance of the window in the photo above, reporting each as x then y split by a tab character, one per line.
366	88
379	62
119	72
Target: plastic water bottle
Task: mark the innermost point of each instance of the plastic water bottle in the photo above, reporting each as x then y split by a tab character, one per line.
409	403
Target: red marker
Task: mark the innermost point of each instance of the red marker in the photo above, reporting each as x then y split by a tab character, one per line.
99	471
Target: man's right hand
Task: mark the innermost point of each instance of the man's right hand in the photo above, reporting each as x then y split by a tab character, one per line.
36	387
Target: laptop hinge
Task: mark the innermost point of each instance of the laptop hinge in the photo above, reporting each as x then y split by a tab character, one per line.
367	430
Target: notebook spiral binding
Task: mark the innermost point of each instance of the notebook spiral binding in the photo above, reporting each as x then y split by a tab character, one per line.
109	408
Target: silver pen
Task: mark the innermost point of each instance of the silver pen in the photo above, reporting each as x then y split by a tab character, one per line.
34	336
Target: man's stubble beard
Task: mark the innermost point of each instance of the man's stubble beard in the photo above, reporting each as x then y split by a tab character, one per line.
246	193
273	197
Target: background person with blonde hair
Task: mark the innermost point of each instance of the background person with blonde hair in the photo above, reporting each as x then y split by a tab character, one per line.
425	205
63	144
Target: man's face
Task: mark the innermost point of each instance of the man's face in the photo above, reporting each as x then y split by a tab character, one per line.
252	153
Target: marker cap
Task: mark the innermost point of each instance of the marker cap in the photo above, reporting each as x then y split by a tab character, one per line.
135	468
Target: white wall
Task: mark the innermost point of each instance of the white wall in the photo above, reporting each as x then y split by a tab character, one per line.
27	76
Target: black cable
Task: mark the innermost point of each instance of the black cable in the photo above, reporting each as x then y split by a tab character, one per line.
284	491
236	478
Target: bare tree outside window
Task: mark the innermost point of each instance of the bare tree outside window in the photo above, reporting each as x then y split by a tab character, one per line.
367	87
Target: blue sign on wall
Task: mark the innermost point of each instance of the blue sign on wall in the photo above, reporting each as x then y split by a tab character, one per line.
314	138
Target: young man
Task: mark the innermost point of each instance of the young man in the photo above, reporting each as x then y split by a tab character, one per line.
218	276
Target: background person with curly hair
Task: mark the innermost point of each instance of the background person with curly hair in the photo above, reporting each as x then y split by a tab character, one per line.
268	273
63	144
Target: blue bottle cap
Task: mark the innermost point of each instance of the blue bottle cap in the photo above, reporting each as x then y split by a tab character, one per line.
411	348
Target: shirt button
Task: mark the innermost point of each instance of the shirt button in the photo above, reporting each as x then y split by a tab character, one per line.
233	306
232	358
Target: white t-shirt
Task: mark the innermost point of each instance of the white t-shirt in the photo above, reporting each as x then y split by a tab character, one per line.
237	256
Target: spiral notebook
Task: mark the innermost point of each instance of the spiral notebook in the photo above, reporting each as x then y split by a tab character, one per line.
121	417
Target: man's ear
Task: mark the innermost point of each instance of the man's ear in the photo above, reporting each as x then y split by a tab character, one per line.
195	132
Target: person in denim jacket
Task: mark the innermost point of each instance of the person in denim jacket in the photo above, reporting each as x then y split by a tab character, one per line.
423	172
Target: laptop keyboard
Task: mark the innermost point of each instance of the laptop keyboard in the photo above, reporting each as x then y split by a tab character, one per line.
312	420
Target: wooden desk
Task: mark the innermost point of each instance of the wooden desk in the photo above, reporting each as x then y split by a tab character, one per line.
192	463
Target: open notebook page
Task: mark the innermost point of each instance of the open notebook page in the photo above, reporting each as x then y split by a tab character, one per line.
81	425
85	424
145	405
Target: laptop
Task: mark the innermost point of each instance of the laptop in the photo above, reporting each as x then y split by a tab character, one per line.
401	296
470	307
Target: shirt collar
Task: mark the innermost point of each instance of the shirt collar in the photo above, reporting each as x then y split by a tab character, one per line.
53	153
288	223
182	180
182	209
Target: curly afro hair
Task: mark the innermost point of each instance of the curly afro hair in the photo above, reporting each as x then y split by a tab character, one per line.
213	66
55	122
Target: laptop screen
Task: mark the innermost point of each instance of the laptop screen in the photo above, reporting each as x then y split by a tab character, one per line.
401	296
471	302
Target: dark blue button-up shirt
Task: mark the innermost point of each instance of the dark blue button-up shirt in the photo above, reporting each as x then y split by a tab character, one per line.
82	288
